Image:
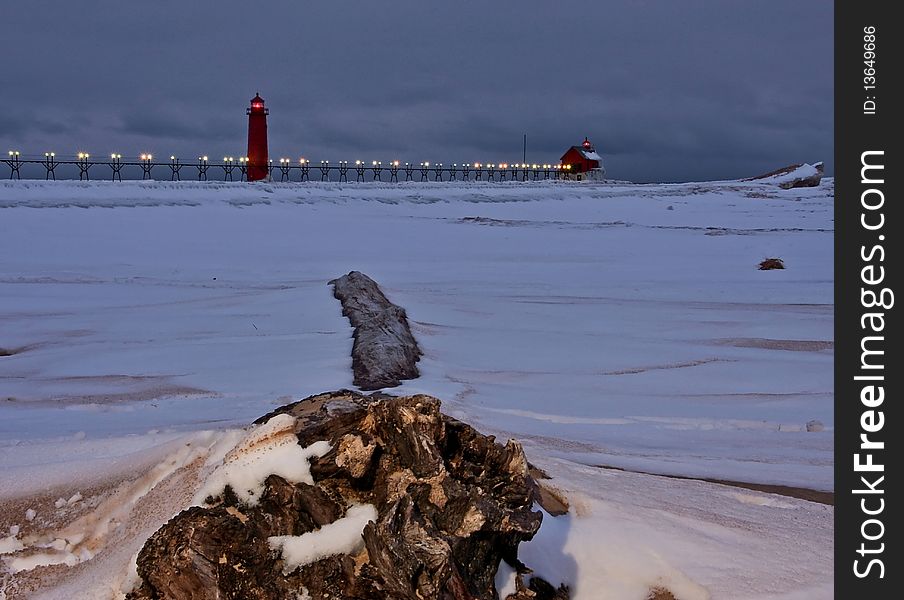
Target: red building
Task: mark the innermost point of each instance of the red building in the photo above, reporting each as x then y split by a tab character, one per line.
582	159
258	158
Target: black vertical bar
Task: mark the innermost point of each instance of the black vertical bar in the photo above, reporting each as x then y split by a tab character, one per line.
867	273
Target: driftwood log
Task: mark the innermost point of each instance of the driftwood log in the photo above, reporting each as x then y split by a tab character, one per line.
384	351
450	503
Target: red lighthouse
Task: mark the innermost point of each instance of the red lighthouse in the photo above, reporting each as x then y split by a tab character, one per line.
258	159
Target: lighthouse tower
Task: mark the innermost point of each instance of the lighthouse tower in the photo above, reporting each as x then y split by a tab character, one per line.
258	159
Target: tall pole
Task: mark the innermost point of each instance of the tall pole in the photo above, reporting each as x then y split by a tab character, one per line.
524	148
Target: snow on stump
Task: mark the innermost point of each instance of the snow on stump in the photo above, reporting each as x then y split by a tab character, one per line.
771	263
406	502
384	352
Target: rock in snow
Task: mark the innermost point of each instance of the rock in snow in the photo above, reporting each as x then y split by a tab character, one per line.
408	503
815	425
384	351
793	176
770	264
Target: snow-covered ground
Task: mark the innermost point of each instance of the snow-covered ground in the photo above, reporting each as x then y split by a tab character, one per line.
603	325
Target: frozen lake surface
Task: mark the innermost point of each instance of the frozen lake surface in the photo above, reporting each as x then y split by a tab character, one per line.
601	324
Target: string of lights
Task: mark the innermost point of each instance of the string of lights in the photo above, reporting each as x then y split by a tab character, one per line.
289	169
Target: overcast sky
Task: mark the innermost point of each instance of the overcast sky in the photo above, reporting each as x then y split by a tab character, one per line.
667	90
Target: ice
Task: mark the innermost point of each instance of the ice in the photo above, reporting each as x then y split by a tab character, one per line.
600	324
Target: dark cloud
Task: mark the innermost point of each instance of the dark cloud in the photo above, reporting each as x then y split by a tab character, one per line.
668	90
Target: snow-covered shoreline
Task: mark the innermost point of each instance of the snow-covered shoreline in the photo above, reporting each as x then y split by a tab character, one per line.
601	324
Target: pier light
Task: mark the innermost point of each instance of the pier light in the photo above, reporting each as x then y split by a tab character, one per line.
426	164
14	153
476	165
302	161
395	163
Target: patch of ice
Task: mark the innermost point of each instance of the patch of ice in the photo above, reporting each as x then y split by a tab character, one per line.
10	544
27	563
759	500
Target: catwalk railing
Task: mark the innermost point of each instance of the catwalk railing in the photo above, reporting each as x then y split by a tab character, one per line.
87	167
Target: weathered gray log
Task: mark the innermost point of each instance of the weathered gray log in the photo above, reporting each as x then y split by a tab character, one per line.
451	504
384	351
